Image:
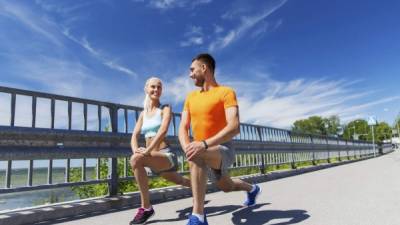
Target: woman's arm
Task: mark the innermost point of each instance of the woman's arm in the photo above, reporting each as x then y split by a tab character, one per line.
162	131
136	133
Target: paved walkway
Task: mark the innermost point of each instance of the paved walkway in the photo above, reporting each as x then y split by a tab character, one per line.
364	193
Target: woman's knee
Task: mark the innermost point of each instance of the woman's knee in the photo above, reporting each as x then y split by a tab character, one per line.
136	160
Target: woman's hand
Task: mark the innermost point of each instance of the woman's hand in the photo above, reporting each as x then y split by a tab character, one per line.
147	152
140	150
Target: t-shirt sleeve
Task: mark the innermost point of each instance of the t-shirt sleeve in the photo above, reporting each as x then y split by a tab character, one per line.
186	104
230	98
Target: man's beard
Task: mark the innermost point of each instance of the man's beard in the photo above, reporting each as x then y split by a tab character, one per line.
199	82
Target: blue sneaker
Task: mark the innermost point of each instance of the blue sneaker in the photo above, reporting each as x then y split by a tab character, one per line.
193	220
251	196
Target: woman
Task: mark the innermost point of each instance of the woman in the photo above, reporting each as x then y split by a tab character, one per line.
153	122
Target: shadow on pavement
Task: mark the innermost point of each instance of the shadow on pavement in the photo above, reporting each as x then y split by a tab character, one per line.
210	211
247	216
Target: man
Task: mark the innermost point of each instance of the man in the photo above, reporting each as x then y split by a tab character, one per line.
213	114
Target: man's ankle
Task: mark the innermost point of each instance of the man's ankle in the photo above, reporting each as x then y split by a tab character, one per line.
200	216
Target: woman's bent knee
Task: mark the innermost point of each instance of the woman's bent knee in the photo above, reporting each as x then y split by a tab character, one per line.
136	160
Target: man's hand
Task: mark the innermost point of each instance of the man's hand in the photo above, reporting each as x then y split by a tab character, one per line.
194	149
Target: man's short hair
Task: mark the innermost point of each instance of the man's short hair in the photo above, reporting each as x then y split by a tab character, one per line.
206	59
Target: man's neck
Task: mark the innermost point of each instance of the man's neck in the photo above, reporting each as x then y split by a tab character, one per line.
208	85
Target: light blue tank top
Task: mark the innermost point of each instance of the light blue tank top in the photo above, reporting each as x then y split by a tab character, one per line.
151	124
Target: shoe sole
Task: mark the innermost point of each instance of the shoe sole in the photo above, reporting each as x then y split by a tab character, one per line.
255	198
149	218
145	222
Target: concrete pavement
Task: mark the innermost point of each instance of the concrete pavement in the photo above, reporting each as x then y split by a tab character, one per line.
364	193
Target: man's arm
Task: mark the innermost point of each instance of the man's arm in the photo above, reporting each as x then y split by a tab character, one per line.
230	130
184	127
226	134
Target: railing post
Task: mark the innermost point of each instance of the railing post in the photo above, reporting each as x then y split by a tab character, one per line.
313	153
113	162
262	166
293	164
327	145
340	149
13	100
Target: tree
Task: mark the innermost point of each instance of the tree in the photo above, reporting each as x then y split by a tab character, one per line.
397	123
363	131
318	125
312	125
331	125
383	132
357	129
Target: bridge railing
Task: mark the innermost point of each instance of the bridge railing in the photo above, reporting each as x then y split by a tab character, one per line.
53	127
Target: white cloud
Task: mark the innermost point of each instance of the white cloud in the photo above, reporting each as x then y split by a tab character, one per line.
218	29
246	23
111	63
194	36
279	104
43	26
172	4
26	17
177	89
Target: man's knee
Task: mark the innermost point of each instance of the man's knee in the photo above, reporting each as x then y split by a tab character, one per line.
136	160
197	163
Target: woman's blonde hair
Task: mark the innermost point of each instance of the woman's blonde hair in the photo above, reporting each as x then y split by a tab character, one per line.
146	102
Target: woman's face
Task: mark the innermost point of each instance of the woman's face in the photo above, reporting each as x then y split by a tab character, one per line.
154	89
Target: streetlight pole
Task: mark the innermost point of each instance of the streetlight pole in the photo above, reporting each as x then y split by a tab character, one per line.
373	139
397	124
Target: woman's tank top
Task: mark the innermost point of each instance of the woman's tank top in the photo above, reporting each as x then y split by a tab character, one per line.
151	124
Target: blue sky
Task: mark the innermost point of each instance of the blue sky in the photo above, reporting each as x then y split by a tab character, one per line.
287	60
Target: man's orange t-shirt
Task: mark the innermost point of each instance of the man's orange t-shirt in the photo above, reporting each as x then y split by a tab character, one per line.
207	110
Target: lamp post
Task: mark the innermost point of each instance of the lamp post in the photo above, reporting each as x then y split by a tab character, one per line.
354	129
372	122
397	124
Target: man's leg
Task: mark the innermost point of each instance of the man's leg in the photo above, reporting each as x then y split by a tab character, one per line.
223	179
198	178
227	184
217	160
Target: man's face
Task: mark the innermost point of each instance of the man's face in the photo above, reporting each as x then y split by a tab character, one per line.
197	70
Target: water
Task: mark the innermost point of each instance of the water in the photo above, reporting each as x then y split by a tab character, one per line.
34	198
37	197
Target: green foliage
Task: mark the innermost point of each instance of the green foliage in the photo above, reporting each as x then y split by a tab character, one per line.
359	129
318	125
383	132
87	191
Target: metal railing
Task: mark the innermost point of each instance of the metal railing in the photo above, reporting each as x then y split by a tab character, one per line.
103	133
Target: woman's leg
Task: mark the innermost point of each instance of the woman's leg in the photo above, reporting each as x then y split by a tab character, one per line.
141	179
157	161
176	178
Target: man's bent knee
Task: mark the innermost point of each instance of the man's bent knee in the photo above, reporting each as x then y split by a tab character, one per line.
198	162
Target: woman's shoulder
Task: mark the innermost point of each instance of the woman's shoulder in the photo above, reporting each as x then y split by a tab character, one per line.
163	106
